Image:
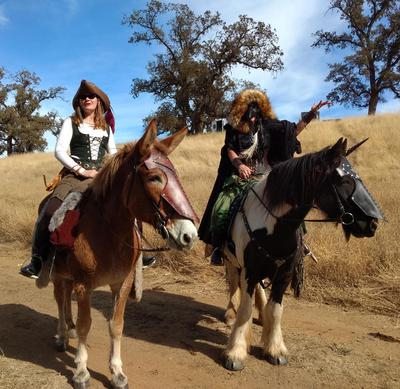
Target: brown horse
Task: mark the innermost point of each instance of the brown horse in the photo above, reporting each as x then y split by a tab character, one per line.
139	183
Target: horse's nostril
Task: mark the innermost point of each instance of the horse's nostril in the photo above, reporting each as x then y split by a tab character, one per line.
373	225
186	238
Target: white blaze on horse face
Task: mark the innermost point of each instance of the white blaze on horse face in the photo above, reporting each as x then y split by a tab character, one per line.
182	234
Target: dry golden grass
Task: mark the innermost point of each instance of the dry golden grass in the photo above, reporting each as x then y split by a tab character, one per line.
363	272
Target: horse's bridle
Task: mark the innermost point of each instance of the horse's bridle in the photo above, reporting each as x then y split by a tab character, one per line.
345	218
176	199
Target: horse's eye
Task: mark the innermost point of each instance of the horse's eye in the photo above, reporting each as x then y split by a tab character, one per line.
155	179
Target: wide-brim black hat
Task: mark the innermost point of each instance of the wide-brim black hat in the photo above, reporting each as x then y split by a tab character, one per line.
87	88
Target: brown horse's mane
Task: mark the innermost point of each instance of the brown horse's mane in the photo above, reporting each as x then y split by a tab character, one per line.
104	180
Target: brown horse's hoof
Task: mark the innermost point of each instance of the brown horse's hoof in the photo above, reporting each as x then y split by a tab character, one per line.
119	382
277	361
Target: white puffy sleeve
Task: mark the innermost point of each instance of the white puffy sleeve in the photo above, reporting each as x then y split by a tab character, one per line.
111	147
62	145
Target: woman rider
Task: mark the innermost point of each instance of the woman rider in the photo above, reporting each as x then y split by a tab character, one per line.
82	144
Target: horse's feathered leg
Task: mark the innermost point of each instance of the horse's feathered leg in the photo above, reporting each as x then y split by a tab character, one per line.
274	347
232	277
83	323
239	341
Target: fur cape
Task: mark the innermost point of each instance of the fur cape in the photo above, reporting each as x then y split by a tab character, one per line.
240	104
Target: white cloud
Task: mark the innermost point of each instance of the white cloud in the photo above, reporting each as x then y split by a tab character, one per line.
3	18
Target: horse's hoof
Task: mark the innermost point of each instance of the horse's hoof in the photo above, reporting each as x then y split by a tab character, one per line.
61	345
82	385
277	361
81	380
119	382
232	365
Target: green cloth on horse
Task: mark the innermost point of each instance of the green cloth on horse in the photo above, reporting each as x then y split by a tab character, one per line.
233	187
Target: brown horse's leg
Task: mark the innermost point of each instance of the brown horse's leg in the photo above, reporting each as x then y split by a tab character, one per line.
232	277
68	310
83	323
116	325
60	296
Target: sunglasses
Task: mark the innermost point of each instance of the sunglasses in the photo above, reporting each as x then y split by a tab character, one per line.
89	96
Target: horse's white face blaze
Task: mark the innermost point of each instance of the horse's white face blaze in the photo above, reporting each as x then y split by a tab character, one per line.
182	234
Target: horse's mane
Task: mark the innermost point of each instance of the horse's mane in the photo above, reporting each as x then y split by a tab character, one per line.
104	180
296	180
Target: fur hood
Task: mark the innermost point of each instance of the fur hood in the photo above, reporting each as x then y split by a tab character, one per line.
240	104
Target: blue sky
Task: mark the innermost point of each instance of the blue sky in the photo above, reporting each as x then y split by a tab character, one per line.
65	41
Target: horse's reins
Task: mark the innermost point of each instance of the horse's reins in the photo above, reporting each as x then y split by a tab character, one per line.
341	219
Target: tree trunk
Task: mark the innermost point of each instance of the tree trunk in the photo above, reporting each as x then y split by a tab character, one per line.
373	103
197	124
9	145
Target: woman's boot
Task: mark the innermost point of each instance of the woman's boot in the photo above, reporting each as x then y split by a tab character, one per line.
41	240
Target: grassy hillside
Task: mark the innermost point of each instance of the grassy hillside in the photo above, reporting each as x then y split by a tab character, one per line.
363	272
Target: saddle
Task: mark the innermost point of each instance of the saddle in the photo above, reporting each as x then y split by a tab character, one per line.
63	224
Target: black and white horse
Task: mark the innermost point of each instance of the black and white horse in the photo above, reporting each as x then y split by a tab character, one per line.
265	233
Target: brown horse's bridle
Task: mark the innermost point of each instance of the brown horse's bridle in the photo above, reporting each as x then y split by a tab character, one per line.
172	193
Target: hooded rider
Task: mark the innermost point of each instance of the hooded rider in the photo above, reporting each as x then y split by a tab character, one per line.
254	141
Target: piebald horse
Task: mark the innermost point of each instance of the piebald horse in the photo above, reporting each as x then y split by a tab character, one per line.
267	242
139	183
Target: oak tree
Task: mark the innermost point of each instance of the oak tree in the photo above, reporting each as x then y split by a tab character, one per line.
22	125
371	41
190	76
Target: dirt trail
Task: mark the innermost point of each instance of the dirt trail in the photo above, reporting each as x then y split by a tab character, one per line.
174	337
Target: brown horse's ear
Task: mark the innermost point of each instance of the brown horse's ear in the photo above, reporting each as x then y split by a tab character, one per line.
168	145
145	143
